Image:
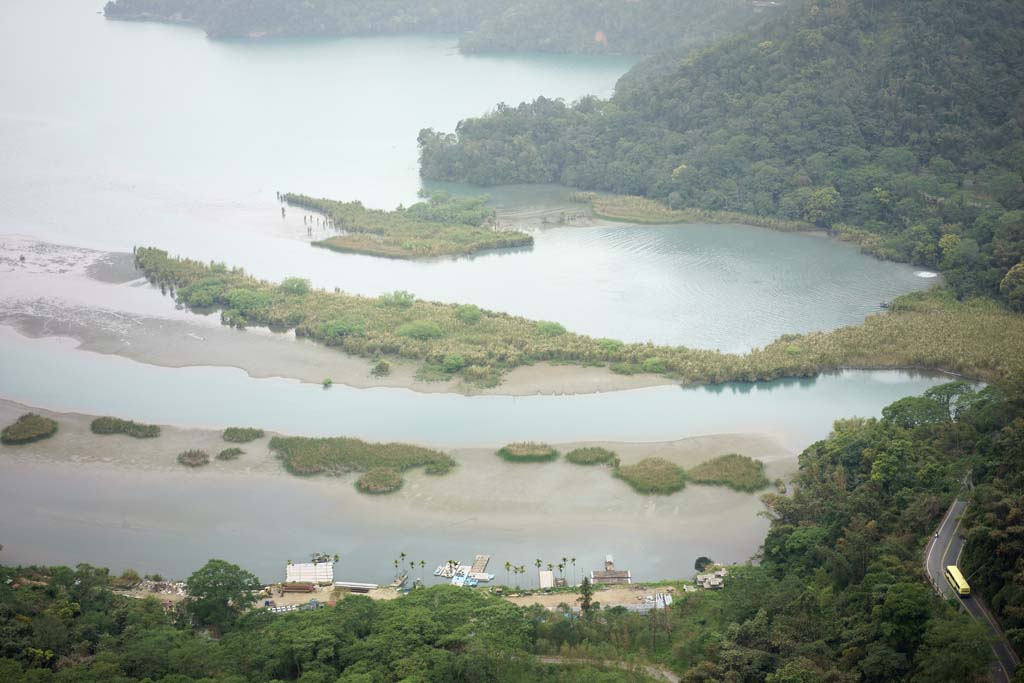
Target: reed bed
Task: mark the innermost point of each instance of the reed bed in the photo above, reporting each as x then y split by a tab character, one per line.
924	330
28	428
115	425
527	451
653	475
738	472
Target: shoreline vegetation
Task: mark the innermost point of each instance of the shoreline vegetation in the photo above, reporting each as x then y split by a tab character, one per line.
929	331
735	471
527	451
653	475
440	226
28	428
115	425
241	434
634	209
381	464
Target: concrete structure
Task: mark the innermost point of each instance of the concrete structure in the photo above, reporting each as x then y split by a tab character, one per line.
713	580
547	579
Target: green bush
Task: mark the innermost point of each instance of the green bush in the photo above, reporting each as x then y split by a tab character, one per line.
592	455
546	328
453	362
738	472
527	451
379	480
115	425
242	434
398	299
653	475
27	428
295	285
340	455
381	368
230	453
655	365
420	329
333	332
194	458
468	313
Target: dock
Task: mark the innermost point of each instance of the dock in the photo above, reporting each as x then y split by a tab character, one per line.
479	564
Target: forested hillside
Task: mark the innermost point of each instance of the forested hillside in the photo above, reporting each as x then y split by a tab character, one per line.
896	123
638	27
839	595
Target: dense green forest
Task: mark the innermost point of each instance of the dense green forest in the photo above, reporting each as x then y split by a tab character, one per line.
903	120
838	595
638	27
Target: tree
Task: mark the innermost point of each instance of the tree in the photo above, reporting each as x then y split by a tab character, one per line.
218	592
955	649
586	598
294	285
702	563
1012	287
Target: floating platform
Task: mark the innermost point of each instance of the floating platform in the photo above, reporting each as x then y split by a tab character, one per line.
479	564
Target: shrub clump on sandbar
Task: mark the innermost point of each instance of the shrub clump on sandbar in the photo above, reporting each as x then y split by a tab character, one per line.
738	472
194	458
380	480
115	425
242	434
653	475
27	428
340	455
230	453
527	451
592	455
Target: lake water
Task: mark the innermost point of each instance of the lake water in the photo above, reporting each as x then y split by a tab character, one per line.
184	148
120	134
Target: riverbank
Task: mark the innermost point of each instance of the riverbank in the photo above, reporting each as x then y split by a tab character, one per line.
632	209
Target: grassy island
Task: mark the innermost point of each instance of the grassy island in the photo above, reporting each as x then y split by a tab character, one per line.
194	458
336	456
738	472
28	428
527	451
230	453
442	226
379	480
115	425
653	475
242	434
592	455
932	330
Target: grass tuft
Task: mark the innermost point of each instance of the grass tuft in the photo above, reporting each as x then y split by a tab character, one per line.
28	428
738	472
230	453
527	451
242	434
592	455
379	480
653	475
115	425
194	458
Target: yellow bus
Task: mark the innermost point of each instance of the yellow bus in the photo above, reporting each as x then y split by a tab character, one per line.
956	580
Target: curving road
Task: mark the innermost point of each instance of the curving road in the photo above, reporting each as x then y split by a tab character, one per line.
944	549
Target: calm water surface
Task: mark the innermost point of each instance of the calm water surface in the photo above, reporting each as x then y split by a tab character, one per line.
185	146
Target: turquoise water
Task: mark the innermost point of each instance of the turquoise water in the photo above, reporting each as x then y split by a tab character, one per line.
185	147
51	373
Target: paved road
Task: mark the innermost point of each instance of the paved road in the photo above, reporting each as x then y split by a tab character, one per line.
944	550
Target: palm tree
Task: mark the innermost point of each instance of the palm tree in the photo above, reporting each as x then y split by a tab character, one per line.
336	558
396	567
561	570
401	556
573	560
538	563
423	564
508	566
